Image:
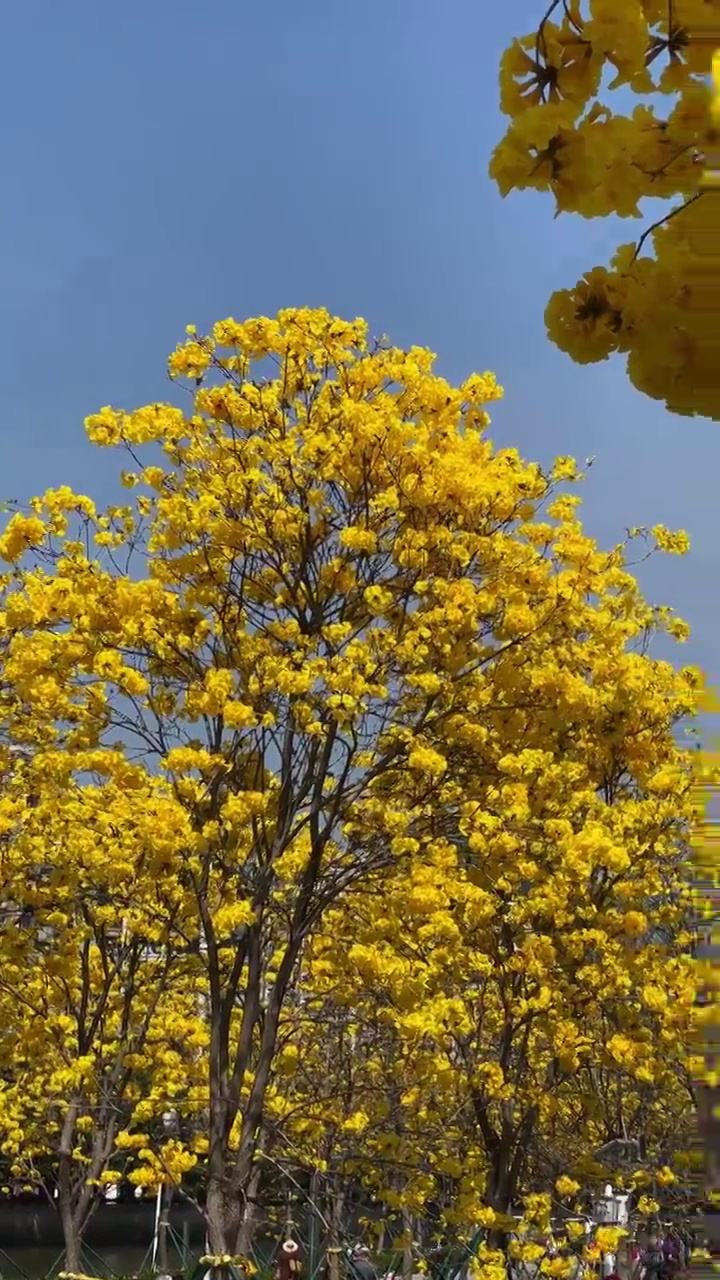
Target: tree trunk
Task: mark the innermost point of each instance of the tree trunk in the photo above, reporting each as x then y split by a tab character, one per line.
249	1219
78	1191
72	1240
163	1259
500	1197
408	1259
509	1152
230	1173
71	1235
222	1214
335	1217
312	1251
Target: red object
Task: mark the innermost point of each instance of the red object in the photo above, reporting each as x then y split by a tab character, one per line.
289	1265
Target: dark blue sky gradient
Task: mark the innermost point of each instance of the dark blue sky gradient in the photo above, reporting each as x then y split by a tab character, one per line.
167	163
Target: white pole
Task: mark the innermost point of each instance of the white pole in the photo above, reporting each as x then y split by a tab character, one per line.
156	1232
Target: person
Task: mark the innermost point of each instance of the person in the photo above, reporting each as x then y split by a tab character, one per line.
436	1262
609	1266
652	1260
687	1239
672	1249
289	1263
361	1265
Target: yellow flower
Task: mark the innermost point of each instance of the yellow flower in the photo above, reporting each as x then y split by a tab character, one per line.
426	760
237	715
647	1206
608	1239
21	533
190	360
566	1187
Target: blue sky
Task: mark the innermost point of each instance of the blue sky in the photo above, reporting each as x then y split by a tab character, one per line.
175	162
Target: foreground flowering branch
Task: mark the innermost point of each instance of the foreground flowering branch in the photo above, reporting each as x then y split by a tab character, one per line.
661	311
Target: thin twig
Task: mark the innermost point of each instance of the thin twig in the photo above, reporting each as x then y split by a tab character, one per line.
662	221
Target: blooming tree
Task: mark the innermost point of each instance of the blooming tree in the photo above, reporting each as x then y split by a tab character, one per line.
97	1011
338	640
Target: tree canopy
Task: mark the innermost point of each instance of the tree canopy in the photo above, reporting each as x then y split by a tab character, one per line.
362	794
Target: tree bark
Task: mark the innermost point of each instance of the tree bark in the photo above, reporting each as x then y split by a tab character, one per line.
163	1259
335	1217
72	1239
230	1172
222	1213
78	1192
71	1236
408	1258
249	1219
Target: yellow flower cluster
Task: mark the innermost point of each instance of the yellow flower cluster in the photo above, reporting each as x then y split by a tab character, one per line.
661	310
